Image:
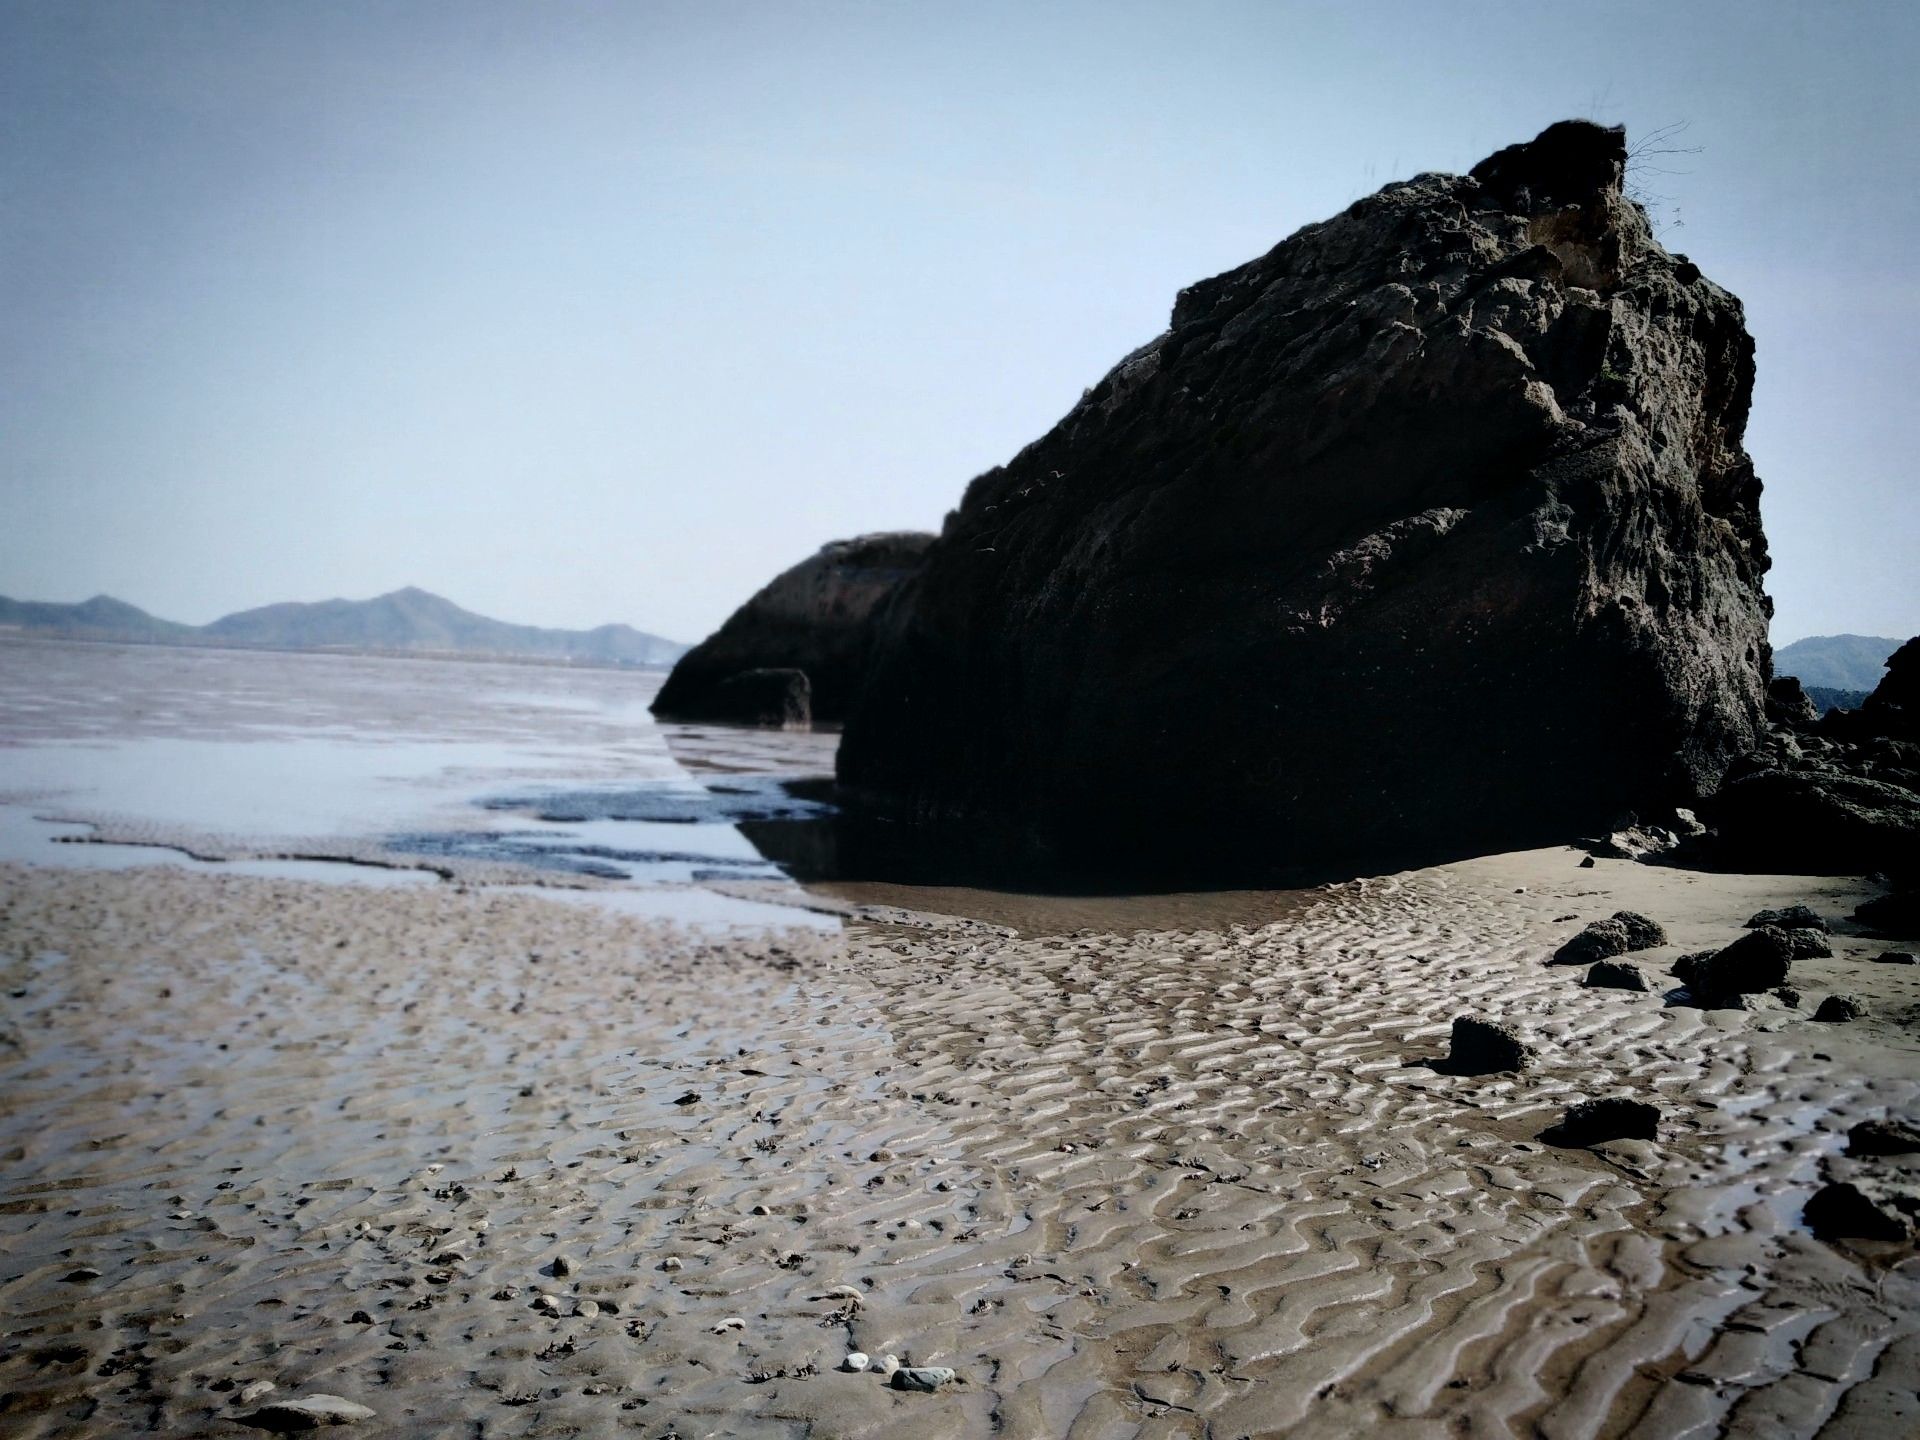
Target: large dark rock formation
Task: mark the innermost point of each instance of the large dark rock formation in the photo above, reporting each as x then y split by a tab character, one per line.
813	618
1428	531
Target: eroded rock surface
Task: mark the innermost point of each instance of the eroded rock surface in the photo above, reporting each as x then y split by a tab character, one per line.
1430	530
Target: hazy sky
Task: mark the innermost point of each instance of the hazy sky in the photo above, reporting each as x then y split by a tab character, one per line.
584	312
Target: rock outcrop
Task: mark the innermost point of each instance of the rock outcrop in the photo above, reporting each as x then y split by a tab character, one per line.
814	618
1429	531
1836	795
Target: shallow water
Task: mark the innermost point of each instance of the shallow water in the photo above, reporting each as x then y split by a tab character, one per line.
367	769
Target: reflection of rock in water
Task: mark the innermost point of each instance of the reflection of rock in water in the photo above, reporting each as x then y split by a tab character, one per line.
543	850
666	803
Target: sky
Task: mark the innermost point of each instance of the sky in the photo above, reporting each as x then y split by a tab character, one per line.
583	312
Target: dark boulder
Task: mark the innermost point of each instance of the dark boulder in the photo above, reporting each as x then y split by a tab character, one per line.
1616	975
1792	917
1809	944
1430	531
1790	705
1756	962
1897	957
1482	1047
1594	1122
1620	934
1878	1200
1883	1137
815	618
1839	1009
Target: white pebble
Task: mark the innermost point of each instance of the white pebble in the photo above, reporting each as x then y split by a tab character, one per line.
855	1363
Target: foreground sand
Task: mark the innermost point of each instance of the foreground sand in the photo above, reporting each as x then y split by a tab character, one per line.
1193	1183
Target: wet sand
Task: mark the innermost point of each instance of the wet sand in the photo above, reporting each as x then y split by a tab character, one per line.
1160	1182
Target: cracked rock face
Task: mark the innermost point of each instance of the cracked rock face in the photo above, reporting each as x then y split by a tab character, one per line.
1429	531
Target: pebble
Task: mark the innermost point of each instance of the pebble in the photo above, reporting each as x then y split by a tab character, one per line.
855	1363
251	1393
672	1263
587	1310
845	1293
562	1265
546	1305
927	1378
732	1322
888	1364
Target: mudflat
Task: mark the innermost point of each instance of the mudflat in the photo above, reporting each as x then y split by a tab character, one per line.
487	1163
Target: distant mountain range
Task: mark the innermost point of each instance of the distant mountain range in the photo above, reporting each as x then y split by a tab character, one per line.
407	621
1836	662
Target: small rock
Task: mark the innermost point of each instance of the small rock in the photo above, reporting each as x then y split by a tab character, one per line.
1896	957
732	1322
562	1265
1792	917
888	1364
1616	975
360	1317
690	1098
925	1378
546	1305
1883	1137
80	1274
672	1263
845	1294
252	1392
1787	996
1484	1048
587	1310
855	1363
1845	1210
308	1412
1624	932
1838	1009
1594	1122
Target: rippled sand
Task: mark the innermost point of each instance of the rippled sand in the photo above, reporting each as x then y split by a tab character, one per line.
1154	1183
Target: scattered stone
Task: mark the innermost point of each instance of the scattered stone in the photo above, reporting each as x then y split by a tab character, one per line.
1594	1122
888	1364
80	1275
855	1363
844	1294
1616	975
690	1098
1791	917
587	1310
1883	1137
546	1304
1861	1209
308	1412
1896	957
672	1263
1620	934
360	1317
1483	1047
1757	961
252	1392
732	1322
1838	1009
1787	996
562	1266
925	1378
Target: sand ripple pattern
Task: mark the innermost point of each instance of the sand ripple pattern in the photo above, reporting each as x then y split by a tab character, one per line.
1160	1184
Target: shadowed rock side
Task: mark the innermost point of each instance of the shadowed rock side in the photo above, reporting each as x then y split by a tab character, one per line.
813	618
1429	531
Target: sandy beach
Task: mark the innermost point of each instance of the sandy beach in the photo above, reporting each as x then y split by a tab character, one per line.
1194	1182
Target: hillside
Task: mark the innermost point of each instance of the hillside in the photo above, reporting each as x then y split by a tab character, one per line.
1836	662
405	620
